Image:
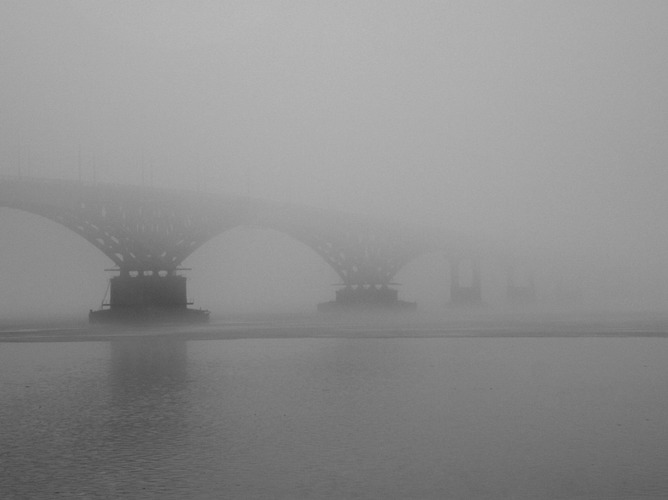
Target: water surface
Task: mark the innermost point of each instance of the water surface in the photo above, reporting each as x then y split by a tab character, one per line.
525	418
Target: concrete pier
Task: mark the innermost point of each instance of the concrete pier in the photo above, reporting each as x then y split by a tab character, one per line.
147	297
520	288
366	297
465	294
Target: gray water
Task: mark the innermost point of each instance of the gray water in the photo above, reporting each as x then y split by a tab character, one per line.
460	418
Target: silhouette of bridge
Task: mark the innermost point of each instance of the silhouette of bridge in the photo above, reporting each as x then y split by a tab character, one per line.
148	232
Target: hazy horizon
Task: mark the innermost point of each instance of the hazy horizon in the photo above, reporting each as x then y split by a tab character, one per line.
537	126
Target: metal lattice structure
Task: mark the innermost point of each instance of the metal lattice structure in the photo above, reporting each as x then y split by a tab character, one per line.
146	229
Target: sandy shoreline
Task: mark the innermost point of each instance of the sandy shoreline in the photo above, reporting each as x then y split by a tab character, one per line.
352	330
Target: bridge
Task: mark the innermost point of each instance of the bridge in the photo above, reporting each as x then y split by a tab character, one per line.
148	232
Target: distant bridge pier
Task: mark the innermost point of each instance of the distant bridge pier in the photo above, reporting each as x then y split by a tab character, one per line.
469	293
521	287
136	296
366	297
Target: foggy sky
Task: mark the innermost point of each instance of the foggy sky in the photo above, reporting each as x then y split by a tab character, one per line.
537	123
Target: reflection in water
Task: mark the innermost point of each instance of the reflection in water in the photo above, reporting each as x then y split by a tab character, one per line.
88	420
140	363
335	418
146	427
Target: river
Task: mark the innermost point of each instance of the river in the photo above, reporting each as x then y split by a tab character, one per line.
394	416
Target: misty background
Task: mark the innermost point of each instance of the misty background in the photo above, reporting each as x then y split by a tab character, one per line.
538	126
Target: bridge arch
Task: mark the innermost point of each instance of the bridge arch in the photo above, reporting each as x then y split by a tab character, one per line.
425	279
143	229
150	232
252	267
47	270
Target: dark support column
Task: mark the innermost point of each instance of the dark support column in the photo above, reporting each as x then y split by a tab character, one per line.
465	295
520	292
360	297
147	296
369	294
148	291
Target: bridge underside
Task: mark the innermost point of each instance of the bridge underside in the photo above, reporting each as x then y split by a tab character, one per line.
148	233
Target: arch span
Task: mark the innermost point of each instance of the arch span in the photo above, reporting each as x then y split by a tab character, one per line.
47	270
148	231
253	268
139	229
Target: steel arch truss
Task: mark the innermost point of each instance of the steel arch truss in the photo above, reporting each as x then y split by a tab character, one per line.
146	229
138	229
361	251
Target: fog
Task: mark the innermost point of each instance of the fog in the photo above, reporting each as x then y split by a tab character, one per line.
537	126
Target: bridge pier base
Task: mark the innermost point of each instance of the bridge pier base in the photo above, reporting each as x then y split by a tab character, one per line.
465	295
363	297
147	298
520	292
